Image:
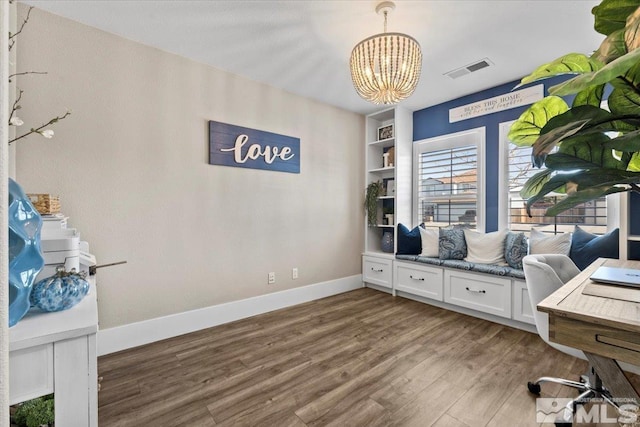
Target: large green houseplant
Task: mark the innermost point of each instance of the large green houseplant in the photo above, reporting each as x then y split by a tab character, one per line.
598	151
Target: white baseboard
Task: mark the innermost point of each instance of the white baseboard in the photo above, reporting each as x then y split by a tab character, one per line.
148	331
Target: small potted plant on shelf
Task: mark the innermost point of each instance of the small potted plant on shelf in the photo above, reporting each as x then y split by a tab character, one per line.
374	191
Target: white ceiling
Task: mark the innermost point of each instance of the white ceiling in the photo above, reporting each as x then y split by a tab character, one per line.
304	46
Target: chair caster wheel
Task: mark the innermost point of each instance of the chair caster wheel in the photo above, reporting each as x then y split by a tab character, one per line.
533	388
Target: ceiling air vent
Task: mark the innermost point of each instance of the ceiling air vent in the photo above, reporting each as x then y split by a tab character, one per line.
468	69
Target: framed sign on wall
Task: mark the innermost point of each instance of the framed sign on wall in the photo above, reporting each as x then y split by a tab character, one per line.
237	146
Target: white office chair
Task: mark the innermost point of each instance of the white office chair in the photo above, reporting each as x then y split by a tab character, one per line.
544	274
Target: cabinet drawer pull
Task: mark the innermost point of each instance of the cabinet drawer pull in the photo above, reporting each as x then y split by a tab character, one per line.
481	291
377	271
416	278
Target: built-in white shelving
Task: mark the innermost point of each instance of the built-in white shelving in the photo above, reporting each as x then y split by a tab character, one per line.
398	203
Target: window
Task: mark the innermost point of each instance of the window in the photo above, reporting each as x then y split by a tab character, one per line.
591	216
447	180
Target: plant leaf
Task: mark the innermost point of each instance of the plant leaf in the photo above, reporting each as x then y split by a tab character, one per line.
634	163
611	15
628	142
548	140
592	149
624	100
535	183
566	162
571	63
613	69
598	177
590	96
580	197
582	120
584	180
555	182
612	47
632	31
526	130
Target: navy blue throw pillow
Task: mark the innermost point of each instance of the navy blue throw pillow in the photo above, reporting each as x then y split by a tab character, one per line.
409	241
587	247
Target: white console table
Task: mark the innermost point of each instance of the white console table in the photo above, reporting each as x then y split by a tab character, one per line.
56	353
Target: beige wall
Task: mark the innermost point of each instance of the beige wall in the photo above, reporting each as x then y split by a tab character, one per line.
130	166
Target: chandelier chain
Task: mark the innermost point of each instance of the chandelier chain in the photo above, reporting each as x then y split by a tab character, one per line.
385	21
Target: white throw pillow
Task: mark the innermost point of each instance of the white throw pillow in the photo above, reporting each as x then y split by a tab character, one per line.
430	238
485	248
542	243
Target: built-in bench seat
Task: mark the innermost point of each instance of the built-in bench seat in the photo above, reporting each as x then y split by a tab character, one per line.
498	270
489	290
493	292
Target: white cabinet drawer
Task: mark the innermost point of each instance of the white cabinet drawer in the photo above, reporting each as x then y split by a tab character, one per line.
521	303
377	271
489	294
419	280
30	373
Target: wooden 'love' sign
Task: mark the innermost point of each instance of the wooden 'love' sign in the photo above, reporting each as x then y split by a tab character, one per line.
237	146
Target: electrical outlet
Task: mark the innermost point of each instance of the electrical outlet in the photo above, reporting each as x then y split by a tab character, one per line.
272	278
294	273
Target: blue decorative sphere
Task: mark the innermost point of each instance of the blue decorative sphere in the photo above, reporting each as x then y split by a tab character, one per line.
59	292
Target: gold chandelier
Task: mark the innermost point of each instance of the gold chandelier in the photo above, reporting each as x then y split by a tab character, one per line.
385	68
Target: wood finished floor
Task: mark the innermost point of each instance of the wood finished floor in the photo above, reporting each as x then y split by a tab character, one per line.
362	358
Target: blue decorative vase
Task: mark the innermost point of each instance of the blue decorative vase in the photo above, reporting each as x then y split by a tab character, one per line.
25	256
387	242
59	292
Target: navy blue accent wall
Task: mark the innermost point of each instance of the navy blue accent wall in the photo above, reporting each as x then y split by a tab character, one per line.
434	121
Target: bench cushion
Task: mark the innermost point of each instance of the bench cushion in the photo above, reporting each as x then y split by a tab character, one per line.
498	270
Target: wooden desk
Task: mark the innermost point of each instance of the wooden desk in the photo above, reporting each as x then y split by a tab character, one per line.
605	329
56	353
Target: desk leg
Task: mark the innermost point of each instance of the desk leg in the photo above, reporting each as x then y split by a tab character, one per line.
613	377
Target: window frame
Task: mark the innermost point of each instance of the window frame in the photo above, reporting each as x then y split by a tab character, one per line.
471	137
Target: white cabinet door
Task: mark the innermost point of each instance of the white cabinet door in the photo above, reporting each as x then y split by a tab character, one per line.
522	310
377	271
489	294
419	280
30	373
